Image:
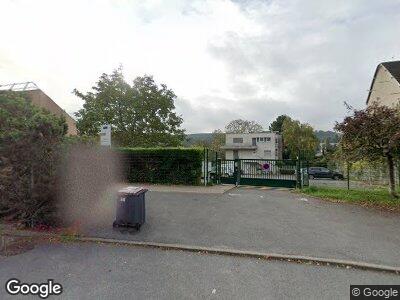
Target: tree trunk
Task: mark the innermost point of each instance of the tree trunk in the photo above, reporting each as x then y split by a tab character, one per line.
391	176
398	172
348	176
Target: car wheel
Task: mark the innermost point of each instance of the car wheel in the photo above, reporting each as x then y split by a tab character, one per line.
311	177
336	177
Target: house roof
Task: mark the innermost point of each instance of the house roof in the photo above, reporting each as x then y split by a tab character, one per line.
393	67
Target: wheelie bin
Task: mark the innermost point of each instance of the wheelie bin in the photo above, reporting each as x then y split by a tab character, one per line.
130	208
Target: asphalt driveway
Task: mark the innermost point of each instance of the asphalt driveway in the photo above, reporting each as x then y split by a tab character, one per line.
92	271
265	220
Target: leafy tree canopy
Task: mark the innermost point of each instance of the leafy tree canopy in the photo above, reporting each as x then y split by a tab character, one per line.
299	139
141	114
20	121
29	151
218	140
278	123
243	126
371	134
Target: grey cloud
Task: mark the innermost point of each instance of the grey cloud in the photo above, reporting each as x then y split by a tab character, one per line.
313	54
206	119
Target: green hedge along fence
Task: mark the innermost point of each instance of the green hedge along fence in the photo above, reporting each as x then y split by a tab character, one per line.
163	165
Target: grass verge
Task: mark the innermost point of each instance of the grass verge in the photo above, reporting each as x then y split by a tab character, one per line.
378	198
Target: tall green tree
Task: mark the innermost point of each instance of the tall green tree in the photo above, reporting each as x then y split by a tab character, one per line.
30	140
141	115
299	139
218	140
278	123
243	126
372	133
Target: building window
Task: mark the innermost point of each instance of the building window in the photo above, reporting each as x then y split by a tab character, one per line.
237	140
267	153
263	139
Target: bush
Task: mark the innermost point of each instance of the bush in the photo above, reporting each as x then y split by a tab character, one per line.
163	165
30	140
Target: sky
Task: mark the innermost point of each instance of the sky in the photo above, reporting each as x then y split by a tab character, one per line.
224	59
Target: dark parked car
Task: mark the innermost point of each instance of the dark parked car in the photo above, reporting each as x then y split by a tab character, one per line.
320	172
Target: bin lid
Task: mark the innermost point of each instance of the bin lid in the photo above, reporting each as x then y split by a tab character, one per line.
132	190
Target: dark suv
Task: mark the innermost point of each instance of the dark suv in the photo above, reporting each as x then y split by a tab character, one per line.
320	172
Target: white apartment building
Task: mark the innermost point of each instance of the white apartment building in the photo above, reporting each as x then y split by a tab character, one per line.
258	145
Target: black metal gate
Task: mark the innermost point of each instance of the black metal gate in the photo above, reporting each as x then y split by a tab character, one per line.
263	172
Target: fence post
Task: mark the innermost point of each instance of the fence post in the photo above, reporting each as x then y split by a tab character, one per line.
204	166
208	179
298	169
237	169
218	170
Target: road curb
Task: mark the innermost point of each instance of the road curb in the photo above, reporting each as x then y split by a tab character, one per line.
217	251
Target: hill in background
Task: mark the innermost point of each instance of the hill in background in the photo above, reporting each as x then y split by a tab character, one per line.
332	136
193	138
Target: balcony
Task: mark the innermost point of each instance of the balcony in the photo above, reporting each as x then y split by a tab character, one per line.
239	147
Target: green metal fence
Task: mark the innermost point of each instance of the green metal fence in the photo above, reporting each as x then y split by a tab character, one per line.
258	172
209	166
263	172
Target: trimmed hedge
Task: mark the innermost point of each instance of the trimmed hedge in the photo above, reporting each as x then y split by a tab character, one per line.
163	165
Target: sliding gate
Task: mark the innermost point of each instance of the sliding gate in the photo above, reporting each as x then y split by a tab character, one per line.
262	172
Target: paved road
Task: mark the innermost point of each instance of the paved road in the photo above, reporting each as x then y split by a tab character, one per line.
266	220
90	271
